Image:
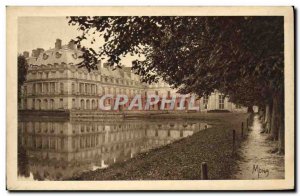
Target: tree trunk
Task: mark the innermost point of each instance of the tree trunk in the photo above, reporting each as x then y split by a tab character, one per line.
277	122
281	131
265	118
275	118
267	111
281	137
268	117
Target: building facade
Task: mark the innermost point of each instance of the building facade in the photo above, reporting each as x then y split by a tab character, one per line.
54	82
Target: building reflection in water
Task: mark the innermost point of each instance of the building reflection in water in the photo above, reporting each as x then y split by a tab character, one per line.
52	150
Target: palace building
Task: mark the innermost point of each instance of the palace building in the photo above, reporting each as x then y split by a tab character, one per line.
54	82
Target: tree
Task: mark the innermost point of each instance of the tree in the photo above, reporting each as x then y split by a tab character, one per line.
240	56
22	72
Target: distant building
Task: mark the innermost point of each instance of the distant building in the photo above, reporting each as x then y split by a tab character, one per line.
54	82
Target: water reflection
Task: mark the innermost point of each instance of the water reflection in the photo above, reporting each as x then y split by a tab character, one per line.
52	150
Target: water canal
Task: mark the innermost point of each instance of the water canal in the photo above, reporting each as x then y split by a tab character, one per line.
58	150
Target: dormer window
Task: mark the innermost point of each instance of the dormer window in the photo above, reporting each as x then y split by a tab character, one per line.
45	56
74	55
58	54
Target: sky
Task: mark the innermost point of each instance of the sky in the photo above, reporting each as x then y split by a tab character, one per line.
42	32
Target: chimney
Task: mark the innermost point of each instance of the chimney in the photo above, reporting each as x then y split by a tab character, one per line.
71	45
106	65
26	54
58	44
127	70
99	65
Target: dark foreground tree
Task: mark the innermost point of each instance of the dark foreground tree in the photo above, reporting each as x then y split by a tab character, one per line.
240	56
22	71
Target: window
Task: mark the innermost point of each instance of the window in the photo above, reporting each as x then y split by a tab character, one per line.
51	106
221	101
61	103
61	88
130	92
33	104
89	88
34	76
73	143
73	103
33	89
205	101
25	90
45	88
181	133
81	88
169	93
85	88
53	74
82	104
25	104
238	106
39	86
73	88
39	105
45	104
52	90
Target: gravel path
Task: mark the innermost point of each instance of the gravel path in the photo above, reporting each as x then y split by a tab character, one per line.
257	161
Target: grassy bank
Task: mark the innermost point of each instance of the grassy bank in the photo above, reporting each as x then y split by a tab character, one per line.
181	160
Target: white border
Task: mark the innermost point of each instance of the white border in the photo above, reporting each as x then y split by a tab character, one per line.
189	185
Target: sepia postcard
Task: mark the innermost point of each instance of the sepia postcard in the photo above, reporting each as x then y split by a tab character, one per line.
150	98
